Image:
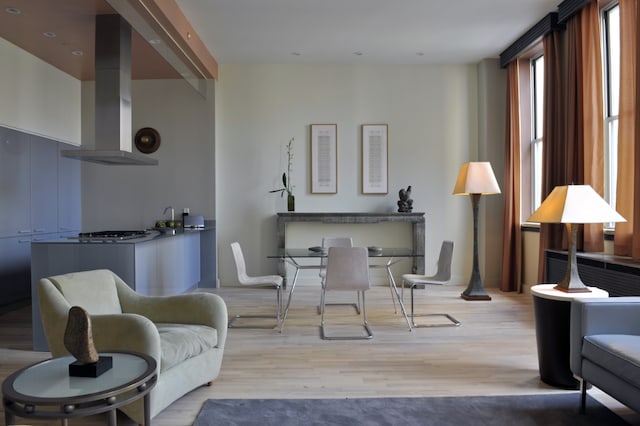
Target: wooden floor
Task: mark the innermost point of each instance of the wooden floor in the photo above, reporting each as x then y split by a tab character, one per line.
492	353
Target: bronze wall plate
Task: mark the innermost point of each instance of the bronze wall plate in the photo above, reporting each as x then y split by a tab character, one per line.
147	140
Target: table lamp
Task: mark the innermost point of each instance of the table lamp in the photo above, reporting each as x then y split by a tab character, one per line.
573	205
476	179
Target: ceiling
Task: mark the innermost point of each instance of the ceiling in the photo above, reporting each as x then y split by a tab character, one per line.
286	31
361	31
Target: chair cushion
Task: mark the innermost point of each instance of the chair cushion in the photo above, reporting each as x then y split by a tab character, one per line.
179	342
618	353
95	291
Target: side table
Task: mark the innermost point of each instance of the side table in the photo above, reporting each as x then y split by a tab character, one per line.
46	391
552	311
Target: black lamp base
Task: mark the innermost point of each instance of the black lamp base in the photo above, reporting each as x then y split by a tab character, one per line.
475	290
475	296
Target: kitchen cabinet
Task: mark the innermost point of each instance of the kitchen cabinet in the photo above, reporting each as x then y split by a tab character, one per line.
156	265
39	199
15	182
169	266
43	185
14	269
69	205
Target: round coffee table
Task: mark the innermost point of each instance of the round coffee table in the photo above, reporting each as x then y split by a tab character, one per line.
46	391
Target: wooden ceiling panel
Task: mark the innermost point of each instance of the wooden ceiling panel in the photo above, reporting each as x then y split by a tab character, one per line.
73	23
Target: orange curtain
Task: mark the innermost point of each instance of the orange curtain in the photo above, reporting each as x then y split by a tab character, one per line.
554	152
627	235
512	235
573	126
585	127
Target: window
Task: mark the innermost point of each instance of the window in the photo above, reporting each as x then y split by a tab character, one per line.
537	102
611	63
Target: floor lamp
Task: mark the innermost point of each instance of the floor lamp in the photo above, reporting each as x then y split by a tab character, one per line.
476	179
573	205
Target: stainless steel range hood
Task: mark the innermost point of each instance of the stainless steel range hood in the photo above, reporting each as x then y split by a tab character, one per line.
113	136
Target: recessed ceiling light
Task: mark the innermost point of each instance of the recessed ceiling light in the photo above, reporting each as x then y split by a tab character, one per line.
420	53
13	10
357	53
296	53
77	52
49	34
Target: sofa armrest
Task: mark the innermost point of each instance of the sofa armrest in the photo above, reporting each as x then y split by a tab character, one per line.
126	332
192	308
614	315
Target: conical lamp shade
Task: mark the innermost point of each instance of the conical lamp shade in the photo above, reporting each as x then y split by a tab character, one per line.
575	204
476	178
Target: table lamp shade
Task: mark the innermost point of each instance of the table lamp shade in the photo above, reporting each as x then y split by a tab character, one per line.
476	178
575	204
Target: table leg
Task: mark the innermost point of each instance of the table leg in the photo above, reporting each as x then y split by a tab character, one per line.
9	418
293	286
395	289
112	418
147	409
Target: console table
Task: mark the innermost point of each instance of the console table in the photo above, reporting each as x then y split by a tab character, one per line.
415	219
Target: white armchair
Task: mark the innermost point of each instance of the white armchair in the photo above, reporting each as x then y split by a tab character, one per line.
185	333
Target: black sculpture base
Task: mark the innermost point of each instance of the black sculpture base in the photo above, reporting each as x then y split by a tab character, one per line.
90	369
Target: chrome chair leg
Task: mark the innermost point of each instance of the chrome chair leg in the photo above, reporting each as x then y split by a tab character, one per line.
232	322
365	324
454	322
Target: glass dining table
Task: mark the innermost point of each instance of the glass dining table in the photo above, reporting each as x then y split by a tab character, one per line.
391	256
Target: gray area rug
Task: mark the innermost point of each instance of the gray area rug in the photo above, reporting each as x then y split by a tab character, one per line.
547	410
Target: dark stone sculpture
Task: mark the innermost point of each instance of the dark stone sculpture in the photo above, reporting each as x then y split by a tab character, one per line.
405	204
78	337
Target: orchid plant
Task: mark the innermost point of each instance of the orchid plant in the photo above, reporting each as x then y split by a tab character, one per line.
286	176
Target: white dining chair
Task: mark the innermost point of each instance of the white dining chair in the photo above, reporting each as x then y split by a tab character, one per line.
263	281
334	242
441	277
347	270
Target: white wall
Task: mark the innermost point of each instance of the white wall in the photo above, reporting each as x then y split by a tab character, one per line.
134	197
432	113
36	97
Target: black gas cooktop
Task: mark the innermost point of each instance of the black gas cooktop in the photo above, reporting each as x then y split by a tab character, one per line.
110	235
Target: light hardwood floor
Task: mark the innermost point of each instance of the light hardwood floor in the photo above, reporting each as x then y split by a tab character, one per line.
492	353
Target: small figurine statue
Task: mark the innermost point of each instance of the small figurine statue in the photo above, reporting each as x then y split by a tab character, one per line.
78	337
405	204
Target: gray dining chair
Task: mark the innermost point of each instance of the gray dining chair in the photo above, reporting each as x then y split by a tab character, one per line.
263	281
347	270
441	277
334	242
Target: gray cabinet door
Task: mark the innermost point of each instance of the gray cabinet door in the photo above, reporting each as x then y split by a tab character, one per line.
69	206
14	269
44	185
14	183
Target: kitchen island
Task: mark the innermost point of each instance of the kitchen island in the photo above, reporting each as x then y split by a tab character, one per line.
156	264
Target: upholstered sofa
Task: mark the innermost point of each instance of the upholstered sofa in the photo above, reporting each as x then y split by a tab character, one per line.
184	333
605	347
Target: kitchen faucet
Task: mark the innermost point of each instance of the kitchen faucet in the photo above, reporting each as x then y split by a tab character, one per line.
172	212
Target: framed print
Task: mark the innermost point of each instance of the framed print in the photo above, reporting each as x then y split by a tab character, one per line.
375	179
324	159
